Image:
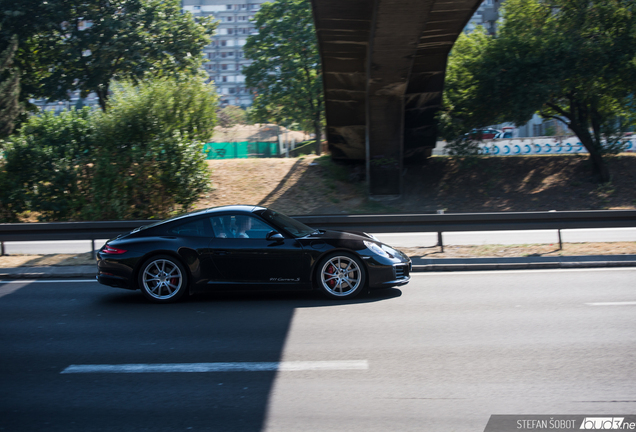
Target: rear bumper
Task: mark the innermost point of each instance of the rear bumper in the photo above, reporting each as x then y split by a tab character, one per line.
114	273
114	281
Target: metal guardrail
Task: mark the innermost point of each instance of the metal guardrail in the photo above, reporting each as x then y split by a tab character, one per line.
504	221
476	221
67	230
438	223
43	231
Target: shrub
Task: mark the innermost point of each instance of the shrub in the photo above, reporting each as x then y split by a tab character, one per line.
463	146
141	159
149	158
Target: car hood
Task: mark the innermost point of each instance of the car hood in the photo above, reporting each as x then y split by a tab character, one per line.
354	239
344	235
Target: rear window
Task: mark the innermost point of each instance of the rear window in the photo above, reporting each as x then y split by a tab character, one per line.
196	228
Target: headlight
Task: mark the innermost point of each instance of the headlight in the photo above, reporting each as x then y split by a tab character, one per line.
392	252
376	248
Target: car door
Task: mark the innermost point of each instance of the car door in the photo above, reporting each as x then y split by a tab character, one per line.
245	253
193	240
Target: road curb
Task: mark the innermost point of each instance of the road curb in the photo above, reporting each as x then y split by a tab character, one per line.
520	266
49	272
38	275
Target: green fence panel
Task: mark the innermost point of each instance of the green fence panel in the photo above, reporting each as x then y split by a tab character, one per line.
225	150
240	150
263	149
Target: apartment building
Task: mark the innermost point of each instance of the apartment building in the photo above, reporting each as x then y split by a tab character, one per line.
486	15
224	58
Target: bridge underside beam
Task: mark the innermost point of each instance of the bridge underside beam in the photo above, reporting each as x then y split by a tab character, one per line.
383	69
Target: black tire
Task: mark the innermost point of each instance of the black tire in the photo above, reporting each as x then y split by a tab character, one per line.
341	275
163	279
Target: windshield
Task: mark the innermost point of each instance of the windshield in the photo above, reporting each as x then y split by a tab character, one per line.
290	225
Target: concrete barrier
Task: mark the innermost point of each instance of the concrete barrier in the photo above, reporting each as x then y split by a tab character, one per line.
532	146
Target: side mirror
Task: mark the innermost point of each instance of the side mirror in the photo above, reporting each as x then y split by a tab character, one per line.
275	236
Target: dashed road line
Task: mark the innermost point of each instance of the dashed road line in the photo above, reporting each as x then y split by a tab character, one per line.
624	303
285	366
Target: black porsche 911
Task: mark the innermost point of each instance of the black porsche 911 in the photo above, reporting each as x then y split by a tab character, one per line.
246	247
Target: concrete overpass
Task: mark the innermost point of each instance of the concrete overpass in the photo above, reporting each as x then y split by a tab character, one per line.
384	63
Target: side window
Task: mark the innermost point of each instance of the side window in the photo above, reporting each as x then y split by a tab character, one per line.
239	226
223	226
197	228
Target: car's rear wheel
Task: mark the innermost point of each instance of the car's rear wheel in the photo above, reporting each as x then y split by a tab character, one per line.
163	279
341	276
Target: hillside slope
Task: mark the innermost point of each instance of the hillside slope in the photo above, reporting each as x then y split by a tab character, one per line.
316	185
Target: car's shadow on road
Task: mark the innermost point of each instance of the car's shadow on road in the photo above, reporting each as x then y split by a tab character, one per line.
303	298
300	299
219	328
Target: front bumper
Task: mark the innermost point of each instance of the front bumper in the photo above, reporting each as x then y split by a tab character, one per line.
389	275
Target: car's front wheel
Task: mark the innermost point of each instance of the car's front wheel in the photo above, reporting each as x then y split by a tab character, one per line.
341	276
163	279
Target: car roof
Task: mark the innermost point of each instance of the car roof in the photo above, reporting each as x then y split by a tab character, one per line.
235	207
238	208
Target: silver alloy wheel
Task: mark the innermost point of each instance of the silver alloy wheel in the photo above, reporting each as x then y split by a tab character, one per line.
341	276
162	279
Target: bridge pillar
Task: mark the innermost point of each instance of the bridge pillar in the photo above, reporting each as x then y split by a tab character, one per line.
393	44
385	127
383	65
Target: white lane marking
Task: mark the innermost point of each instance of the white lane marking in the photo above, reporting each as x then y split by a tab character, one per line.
625	303
286	366
32	281
45	242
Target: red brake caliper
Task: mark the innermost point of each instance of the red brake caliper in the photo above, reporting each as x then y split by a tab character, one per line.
332	271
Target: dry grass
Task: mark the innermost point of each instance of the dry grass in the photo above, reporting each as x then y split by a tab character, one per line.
507	251
294	186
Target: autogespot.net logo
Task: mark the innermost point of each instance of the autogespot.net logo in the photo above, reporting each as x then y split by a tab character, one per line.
561	423
606	423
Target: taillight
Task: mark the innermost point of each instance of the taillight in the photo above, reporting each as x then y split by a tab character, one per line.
112	250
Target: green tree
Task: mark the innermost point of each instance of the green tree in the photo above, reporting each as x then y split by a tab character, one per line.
286	71
86	45
231	115
149	158
36	26
460	112
48	167
572	60
10	107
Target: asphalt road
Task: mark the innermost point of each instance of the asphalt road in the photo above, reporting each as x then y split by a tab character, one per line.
440	354
394	239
